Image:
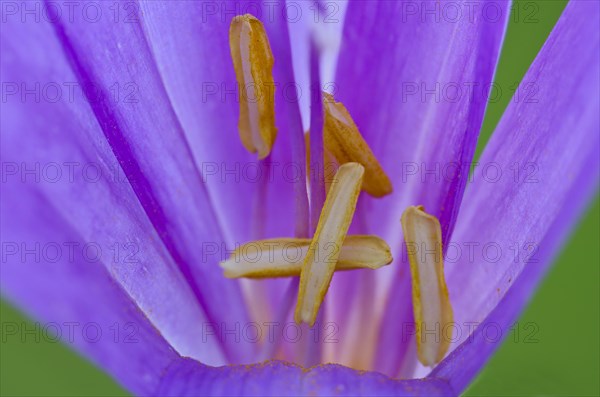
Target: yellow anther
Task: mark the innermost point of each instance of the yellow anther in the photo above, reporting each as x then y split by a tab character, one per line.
344	142
323	252
431	305
253	64
283	257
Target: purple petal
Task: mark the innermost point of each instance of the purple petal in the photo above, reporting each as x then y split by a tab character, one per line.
541	159
147	139
463	364
78	299
276	378
77	175
288	117
317	166
392	55
391	49
190	42
557	130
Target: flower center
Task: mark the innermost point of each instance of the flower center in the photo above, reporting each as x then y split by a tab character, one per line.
331	249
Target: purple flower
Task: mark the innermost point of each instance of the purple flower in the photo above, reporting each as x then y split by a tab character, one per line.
124	184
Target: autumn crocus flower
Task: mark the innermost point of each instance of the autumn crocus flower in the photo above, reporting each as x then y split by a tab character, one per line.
153	128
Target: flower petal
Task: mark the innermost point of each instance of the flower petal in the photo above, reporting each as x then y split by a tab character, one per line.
277	378
391	50
189	41
58	151
468	359
416	84
147	139
80	297
558	133
543	153
289	121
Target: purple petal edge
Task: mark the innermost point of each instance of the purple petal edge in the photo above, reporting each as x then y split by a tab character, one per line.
559	132
277	378
552	140
466	361
90	311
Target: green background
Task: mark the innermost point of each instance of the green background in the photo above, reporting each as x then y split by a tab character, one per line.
564	361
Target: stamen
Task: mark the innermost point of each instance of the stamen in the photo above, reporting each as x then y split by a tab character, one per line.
344	144
431	305
344	141
253	64
324	250
284	257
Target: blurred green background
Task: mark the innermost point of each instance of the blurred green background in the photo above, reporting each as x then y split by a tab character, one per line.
565	361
